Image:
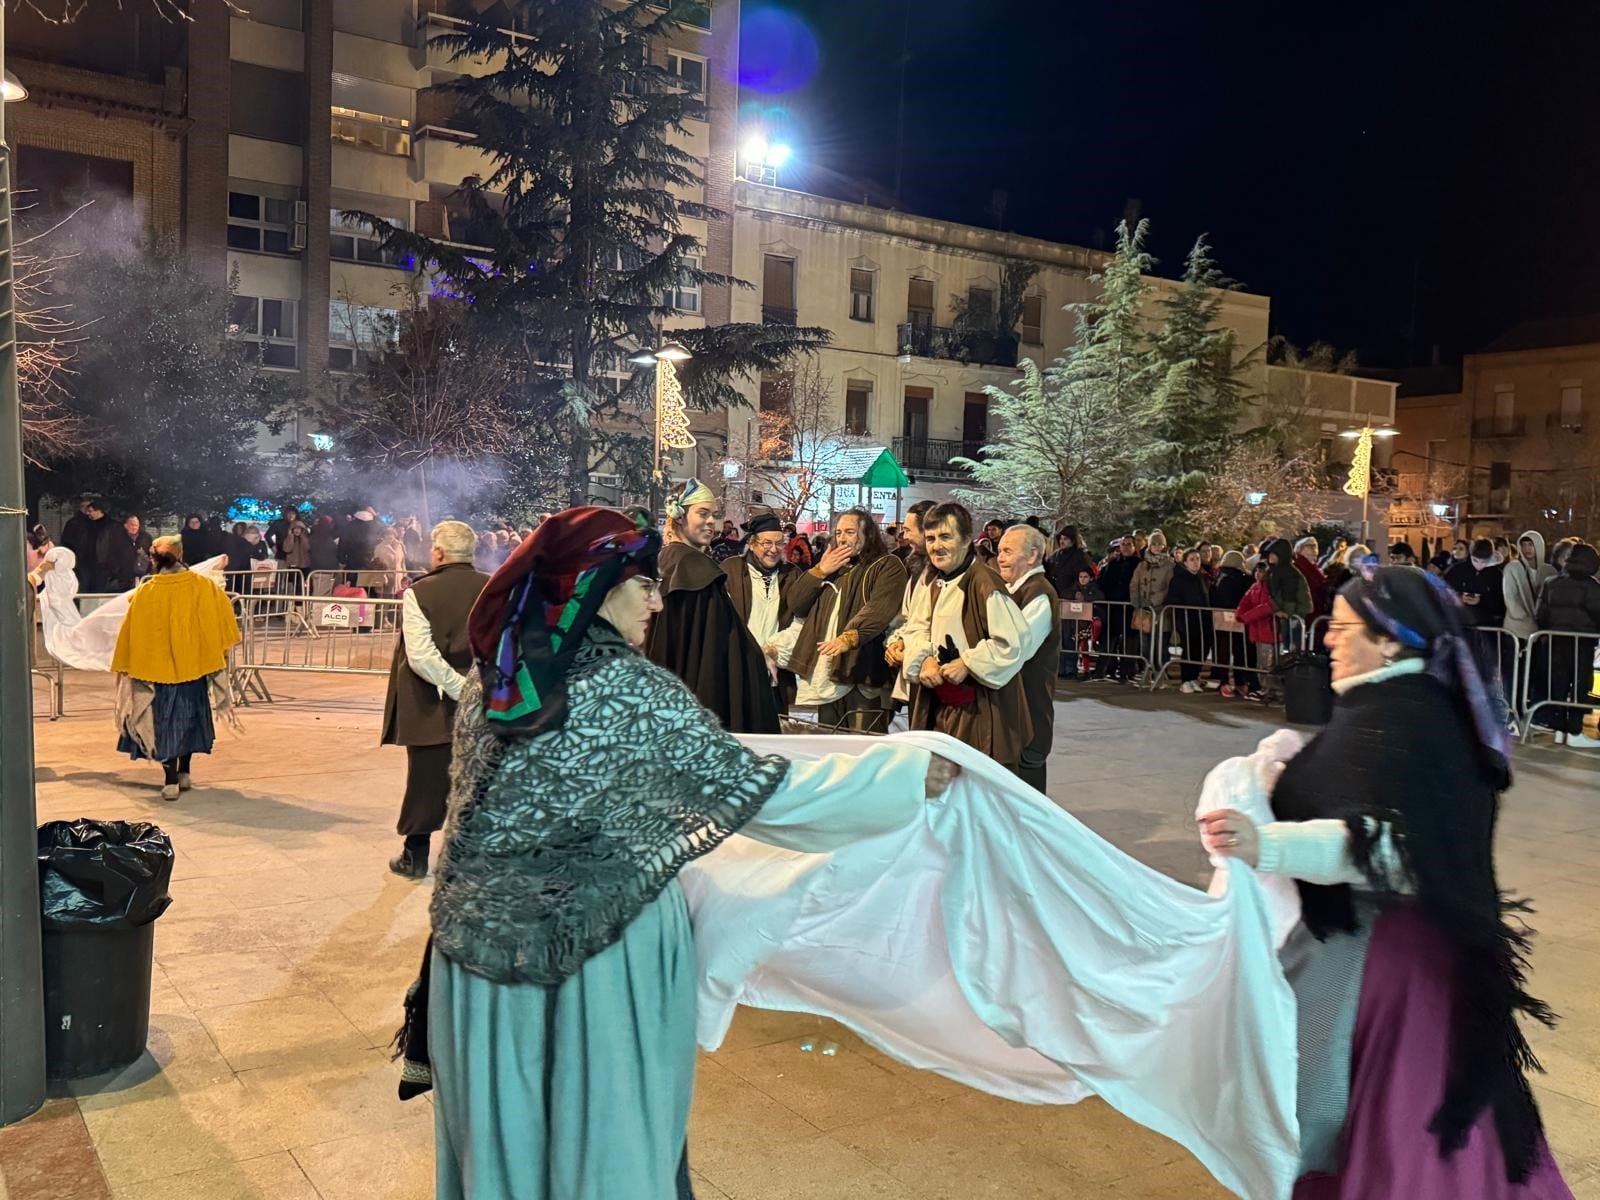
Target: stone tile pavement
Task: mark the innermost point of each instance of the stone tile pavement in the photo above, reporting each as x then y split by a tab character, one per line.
280	966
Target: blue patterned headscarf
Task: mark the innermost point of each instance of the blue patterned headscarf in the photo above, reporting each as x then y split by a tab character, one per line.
1423	614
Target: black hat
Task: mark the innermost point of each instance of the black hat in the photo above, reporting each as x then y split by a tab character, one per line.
1402	550
765	523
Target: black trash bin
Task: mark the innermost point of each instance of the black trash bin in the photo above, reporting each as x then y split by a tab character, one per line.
102	885
1307	689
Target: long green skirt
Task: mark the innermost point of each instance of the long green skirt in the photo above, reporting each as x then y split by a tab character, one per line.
578	1092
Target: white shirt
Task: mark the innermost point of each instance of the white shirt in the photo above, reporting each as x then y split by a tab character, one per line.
821	688
1041	621
422	653
993	662
763	622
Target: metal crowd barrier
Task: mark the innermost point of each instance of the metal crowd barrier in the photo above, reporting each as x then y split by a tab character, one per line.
379	584
1101	638
352	636
1561	671
1196	636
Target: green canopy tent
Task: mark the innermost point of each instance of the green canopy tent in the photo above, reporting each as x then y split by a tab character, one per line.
869	467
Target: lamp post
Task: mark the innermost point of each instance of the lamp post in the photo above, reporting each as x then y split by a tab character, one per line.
1360	481
764	158
21	983
671	417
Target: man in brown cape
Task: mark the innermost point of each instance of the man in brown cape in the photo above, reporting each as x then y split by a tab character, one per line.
768	593
699	635
1021	564
838	651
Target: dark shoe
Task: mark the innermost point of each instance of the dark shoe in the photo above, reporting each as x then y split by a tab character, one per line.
409	865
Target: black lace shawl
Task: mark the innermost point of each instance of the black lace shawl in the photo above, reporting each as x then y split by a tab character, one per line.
1402	752
554	843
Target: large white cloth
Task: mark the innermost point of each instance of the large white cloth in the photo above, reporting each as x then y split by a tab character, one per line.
86	642
999	942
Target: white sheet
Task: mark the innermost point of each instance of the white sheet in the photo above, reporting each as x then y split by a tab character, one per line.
86	642
1001	943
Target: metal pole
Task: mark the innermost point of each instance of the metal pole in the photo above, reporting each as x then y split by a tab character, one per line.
657	491
21	983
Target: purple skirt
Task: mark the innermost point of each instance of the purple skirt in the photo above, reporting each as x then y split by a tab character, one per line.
1398	1059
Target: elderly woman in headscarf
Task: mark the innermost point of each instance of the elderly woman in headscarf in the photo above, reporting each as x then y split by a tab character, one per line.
169	659
557	1004
1409	978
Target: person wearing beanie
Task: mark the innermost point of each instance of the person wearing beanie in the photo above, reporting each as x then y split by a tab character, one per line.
1402	555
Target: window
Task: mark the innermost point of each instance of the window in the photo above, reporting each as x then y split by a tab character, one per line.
686	296
690	70
857	405
919	303
355	330
267	103
915	425
777	433
349	242
1571	405
269	325
1033	320
862	286
1505	402
980	306
263	224
777	290
1499	476
372	131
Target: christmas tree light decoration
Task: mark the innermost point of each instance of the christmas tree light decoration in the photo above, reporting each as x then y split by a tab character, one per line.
672	417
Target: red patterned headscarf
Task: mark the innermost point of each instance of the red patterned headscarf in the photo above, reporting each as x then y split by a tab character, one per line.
530	619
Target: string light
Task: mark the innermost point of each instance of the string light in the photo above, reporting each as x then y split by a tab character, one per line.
672	416
1360	466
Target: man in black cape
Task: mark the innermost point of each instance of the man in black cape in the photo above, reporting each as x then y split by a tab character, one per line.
698	635
769	593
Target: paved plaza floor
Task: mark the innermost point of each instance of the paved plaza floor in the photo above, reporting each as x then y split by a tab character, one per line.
280	967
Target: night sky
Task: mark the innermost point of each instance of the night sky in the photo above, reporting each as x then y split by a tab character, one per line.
1395	175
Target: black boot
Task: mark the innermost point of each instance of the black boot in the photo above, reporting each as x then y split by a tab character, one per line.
411	863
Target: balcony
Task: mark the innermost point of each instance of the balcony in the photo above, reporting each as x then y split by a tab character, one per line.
958	345
771	314
385	135
933	455
1499	427
1564	422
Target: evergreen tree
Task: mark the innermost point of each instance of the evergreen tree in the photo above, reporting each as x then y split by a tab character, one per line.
1197	389
583	233
1061	444
177	404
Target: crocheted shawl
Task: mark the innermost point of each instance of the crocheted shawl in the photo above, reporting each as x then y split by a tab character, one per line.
554	843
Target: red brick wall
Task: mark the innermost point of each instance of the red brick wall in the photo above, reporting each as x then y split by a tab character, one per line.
205	167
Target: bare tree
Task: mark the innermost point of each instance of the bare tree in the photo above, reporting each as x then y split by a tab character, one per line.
798	443
1257	492
431	393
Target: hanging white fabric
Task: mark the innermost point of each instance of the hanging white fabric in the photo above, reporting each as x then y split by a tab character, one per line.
1003	944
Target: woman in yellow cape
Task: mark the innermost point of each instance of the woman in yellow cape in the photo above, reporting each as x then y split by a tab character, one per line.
172	648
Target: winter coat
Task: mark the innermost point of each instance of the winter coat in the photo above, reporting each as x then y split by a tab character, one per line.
1316	584
1571	602
1116	581
1232	584
1188	590
123	560
296	548
359	540
1521	581
1063	566
1255	614
1487	584
324	549
1291	594
1152	577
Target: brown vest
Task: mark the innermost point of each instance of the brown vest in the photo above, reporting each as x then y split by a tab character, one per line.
414	714
1039	672
996	722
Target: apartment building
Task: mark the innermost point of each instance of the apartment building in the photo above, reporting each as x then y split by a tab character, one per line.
246	133
1517	447
902	376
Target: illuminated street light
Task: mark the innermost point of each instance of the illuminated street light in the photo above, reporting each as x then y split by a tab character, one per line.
11	90
672	416
1440	510
763	158
1255	499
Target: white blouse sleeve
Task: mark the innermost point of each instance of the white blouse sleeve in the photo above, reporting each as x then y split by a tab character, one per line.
831	802
917	633
422	654
1041	622
1319	852
997	658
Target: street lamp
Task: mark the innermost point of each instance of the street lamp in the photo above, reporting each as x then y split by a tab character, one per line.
1360	481
672	416
763	158
21	995
1255	499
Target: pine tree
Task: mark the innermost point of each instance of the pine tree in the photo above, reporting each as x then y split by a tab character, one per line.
1061	446
583	234
1198	387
